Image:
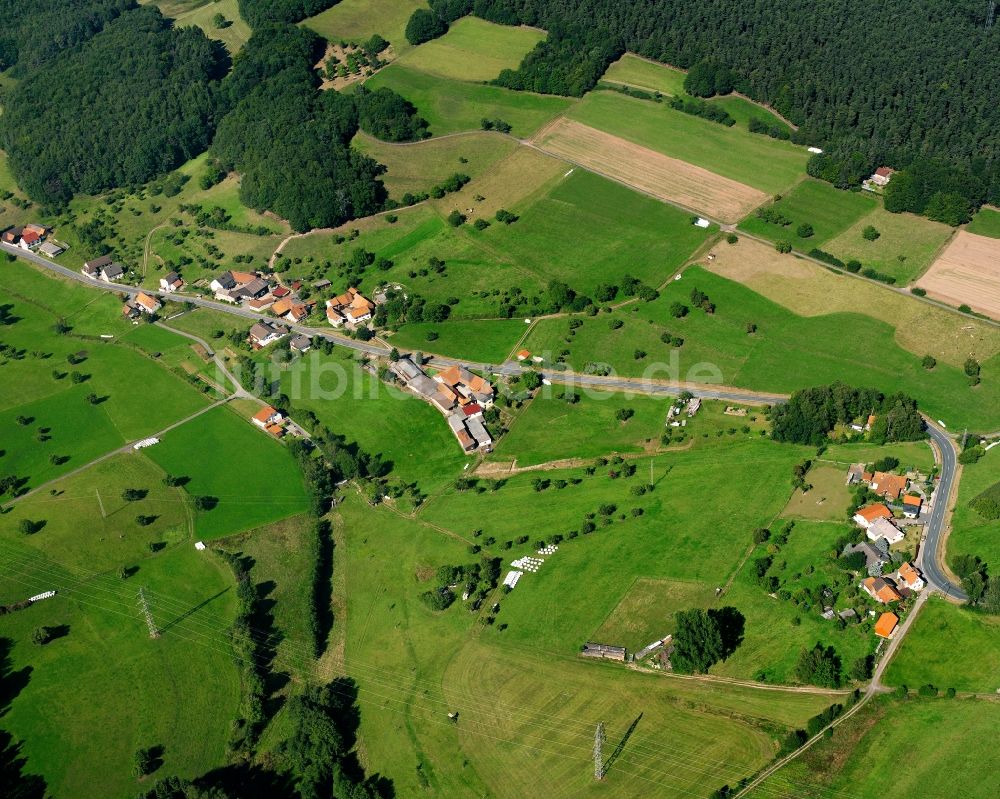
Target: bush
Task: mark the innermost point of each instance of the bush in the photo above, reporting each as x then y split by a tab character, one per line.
853	266
804	231
783	246
927	690
456	218
919	292
732	238
929	362
870	233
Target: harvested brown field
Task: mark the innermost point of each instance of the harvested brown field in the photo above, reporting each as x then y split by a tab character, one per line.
649	171
967	273
808	289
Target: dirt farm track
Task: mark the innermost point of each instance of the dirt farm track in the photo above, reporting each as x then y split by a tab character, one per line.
967	272
649	171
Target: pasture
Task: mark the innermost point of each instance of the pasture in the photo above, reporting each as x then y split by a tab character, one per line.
478	340
473	50
417	167
863	753
906	246
986	222
648	171
633	70
827	210
358	20
827	500
137	692
785	352
972	533
761	162
207	451
967	273
949	647
910	454
520	705
201	14
44	416
452	106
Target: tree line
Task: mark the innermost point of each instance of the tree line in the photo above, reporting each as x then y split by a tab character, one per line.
260	12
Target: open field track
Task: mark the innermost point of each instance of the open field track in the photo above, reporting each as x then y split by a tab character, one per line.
653	173
967	272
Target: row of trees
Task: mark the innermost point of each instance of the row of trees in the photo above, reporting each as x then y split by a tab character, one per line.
260	12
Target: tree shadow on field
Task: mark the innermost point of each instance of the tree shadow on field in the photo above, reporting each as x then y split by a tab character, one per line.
14	781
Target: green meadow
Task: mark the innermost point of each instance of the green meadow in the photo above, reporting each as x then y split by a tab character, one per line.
864	753
478	340
759	161
417	167
473	50
44	418
253	476
907	244
949	647
81	734
358	20
972	533
201	13
828	210
633	70
451	106
985	223
785	353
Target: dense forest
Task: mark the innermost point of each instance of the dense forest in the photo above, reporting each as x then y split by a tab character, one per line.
880	82
259	12
135	100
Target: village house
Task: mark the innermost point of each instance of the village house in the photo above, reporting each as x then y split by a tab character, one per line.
92	269
147	303
912	505
605	651
50	249
887	485
298	312
883	528
12	235
29	240
171	282
523	355
112	273
236	287
131	311
301	344
260	304
264	333
467	387
886	624
876	555
855	473
911	577
880	589
865	516
266	417
882	176
350	308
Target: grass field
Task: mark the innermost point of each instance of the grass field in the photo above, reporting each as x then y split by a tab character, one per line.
759	161
649	171
473	50
973	534
357	20
985	223
479	340
906	246
863	755
525	714
743	110
103	689
910	454
53	408
827	500
416	168
267	486
201	13
828	210
949	647
636	71
405	430
451	106
787	352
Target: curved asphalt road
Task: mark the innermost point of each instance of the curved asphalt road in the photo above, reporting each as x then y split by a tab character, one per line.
930	556
932	552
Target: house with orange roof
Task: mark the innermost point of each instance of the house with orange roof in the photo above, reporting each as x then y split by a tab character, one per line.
880	589
886	624
130	310
887	485
911	577
865	516
467	387
523	355
266	417
275	430
146	303
870	421
912	505
260	303
298	312
281	307
350	308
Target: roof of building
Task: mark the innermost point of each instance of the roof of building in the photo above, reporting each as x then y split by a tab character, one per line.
406	368
301	342
99	263
276	430
450	376
264	414
171	278
913	499
872	512
50	248
884	172
466	440
254	287
281	291
146	301
243	277
886	624
262	330
30	237
321	284
226	280
888	485
522	354
113	270
908	574
881	589
299	312
471	409
883	528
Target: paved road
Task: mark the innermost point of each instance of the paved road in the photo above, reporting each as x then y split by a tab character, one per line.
932	552
930	558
